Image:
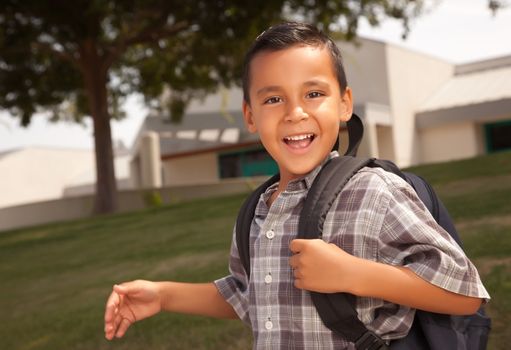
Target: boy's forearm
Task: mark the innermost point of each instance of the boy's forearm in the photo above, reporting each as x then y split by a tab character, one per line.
194	298
401	285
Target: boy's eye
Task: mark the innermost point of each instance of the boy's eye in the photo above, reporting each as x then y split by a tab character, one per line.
314	94
272	100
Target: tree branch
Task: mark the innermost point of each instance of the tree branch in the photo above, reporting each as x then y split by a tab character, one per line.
60	54
157	33
150	34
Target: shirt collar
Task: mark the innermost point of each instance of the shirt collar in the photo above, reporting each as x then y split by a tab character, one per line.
302	183
305	182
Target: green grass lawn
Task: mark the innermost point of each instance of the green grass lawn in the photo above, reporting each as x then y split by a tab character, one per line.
54	279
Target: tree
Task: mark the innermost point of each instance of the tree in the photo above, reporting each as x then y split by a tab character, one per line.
495	5
81	58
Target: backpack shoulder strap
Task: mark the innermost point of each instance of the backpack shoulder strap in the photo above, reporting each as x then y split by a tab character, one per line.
244	221
324	190
336	311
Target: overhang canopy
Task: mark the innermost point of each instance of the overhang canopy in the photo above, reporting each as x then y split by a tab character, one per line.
482	96
199	133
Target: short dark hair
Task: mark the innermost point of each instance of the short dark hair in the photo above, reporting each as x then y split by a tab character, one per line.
285	35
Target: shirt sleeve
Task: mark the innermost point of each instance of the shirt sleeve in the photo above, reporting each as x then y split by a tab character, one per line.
411	237
234	287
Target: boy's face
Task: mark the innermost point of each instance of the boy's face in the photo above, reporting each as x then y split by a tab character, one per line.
296	106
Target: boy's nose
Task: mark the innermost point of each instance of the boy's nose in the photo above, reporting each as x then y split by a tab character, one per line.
296	113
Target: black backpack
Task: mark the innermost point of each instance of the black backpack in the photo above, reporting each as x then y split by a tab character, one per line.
429	330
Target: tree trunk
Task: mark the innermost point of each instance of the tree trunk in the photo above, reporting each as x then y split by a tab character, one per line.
94	72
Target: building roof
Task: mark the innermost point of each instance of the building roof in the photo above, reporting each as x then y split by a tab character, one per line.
481	89
199	132
471	88
5	153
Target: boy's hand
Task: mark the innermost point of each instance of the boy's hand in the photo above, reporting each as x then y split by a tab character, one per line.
130	302
319	266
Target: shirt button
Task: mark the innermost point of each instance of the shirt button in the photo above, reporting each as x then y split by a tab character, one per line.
270	234
268	325
268	279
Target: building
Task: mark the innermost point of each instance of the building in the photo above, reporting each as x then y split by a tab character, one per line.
416	109
36	174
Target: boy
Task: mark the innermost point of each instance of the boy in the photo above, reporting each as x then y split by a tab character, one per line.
379	242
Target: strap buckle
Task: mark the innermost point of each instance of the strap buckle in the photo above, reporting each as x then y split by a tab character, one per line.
370	341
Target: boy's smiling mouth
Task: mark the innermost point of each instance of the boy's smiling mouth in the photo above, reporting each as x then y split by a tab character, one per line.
300	141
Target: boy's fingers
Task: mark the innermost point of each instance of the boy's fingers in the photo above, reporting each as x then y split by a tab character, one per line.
296	245
112	305
112	326
124	288
123	327
116	324
298	284
128	287
110	330
292	261
109	335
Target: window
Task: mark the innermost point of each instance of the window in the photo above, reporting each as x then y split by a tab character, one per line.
245	163
498	136
229	166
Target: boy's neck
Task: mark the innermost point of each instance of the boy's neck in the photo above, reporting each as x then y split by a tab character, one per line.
272	198
282	185
285	179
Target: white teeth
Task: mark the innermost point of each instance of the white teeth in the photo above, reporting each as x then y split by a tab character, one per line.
298	137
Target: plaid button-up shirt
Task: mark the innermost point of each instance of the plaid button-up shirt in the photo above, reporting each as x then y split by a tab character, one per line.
378	217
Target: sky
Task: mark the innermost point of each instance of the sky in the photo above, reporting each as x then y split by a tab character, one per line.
458	31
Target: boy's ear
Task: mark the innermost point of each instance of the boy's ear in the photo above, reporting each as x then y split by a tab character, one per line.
248	117
347	105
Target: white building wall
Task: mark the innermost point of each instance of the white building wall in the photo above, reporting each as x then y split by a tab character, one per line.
413	77
365	67
198	169
37	174
385	142
85	183
450	142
